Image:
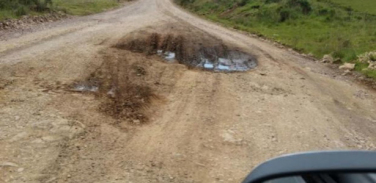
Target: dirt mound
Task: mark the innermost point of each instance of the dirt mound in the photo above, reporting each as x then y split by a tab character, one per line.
192	48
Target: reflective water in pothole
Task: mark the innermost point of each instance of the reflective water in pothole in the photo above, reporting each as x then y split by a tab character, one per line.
234	61
167	55
85	88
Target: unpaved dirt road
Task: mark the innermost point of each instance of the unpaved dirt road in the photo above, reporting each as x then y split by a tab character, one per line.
175	124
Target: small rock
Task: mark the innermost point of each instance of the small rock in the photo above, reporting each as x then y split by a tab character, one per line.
372	65
17	118
347	66
263	74
136	121
19	136
51	180
50	138
347	72
327	59
37	141
8	164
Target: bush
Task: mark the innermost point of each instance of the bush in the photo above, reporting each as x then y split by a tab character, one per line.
304	5
22	10
284	15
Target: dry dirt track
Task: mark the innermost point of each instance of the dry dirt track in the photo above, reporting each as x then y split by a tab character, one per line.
209	127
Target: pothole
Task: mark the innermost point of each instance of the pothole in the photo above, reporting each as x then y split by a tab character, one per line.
130	82
190	49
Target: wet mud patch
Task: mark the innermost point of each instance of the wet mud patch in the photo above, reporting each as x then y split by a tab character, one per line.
193	48
119	85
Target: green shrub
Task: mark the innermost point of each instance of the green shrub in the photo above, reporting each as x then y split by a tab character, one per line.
22	10
284	15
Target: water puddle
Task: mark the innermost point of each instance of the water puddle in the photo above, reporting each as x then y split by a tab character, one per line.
191	50
167	55
85	88
207	64
234	62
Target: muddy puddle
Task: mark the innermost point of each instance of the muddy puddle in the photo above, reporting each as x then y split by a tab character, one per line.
167	55
206	53
234	62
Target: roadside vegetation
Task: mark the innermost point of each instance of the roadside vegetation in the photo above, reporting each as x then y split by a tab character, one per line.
84	7
17	8
345	29
367	6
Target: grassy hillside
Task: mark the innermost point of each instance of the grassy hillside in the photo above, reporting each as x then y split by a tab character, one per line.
17	8
312	26
368	6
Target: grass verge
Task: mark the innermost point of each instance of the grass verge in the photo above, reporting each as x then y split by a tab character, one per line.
10	9
84	7
317	27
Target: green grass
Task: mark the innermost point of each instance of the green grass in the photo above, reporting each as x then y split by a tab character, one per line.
362	67
6	14
318	27
368	6
17	8
10	9
84	7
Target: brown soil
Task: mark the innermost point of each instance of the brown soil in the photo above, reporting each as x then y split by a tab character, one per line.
57	111
123	97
